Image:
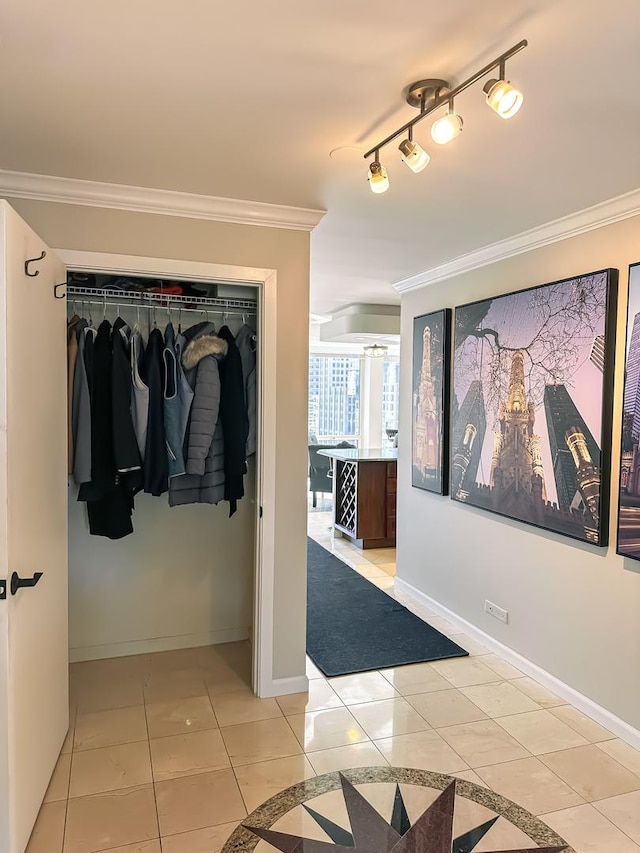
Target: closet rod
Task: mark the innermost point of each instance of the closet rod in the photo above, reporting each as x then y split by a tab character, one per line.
166	305
159	298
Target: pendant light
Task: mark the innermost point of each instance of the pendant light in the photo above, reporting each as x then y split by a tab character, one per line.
375	350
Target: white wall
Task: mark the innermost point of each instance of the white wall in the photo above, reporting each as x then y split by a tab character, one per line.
184	578
287	252
574	610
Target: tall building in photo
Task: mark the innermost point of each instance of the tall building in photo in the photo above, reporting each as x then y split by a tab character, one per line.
516	485
517	457
598	352
563	417
587	470
426	438
469	427
632	377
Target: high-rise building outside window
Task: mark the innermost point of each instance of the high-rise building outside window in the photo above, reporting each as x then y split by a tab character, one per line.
334	397
390	394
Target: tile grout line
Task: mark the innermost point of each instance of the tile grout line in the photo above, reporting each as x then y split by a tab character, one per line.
153	780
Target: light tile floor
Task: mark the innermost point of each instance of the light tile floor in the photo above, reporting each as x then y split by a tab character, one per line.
168	752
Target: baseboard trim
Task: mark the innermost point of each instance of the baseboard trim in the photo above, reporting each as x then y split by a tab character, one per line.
596	712
285	686
157	644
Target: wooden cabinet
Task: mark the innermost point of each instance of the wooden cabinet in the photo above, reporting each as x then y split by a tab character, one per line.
364	501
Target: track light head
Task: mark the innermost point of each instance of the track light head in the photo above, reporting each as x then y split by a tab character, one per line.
503	98
447	127
378	178
414	155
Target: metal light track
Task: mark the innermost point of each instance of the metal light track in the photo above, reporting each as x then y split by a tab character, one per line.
440	101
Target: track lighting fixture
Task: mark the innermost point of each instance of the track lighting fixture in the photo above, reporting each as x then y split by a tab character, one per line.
378	178
447	127
413	154
431	94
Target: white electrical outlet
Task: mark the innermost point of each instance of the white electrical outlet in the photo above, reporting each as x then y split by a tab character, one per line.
496	612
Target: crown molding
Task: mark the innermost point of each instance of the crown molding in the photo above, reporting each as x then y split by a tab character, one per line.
25	185
605	213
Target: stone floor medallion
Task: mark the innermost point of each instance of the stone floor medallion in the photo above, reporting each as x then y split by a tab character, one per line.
392	810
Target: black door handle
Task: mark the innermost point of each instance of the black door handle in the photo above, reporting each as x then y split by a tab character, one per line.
17	582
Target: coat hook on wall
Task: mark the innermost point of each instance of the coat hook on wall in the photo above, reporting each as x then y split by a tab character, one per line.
31	261
55	287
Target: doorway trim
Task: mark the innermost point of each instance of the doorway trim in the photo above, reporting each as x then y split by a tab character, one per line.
265	280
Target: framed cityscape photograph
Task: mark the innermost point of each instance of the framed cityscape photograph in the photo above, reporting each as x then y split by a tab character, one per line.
532	405
431	369
628	539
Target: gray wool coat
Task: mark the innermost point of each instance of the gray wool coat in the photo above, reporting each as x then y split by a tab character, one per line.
81	411
204	445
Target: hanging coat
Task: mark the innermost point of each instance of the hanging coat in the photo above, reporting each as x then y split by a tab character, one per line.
81	415
156	468
81	412
72	355
139	392
109	502
125	446
235	425
204	445
246	343
178	397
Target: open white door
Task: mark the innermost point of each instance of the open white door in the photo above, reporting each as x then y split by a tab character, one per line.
34	704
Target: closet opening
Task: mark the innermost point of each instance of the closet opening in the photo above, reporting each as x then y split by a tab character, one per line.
163	509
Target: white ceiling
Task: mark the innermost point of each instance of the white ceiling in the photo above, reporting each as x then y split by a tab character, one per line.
246	100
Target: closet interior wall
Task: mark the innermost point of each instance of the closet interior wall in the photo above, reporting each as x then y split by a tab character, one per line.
185	576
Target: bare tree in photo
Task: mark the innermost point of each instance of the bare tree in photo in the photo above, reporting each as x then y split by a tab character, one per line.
552	326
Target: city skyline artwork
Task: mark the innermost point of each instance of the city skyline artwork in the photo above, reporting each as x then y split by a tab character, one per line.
531	405
628	540
430	373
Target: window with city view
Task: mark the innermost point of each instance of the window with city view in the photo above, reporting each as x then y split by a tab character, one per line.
334	397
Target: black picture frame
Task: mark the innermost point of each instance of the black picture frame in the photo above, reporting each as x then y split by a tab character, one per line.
431	373
628	519
532	382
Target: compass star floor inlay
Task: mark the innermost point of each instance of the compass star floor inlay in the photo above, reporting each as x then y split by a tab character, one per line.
390	809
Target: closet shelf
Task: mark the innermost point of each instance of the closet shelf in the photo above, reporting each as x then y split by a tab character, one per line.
164	299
